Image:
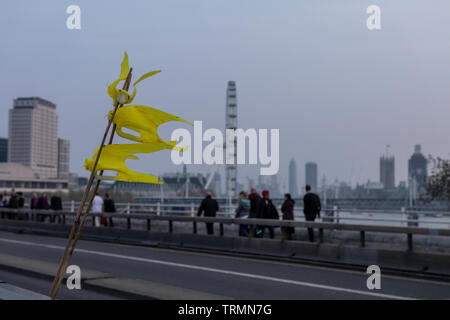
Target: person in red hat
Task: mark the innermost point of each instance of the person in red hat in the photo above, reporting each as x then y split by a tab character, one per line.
266	210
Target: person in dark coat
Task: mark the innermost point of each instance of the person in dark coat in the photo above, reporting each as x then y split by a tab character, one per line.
109	207
42	205
209	207
34	201
20	205
265	209
288	214
56	205
13	204
311	209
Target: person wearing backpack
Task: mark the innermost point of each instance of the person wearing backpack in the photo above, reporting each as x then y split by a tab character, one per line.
311	209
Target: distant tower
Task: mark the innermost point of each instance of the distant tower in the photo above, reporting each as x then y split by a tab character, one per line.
230	153
311	175
417	169
387	170
3	150
63	158
293	190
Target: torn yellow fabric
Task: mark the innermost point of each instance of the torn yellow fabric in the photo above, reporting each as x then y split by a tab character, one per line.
113	158
145	121
122	96
141	119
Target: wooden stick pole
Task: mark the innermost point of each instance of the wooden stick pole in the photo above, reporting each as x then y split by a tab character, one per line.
65	258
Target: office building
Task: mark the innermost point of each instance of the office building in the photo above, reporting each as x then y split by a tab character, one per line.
33	136
63	158
311	175
293	190
3	150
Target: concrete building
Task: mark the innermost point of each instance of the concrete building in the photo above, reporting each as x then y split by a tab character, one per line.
387	171
311	175
63	158
33	136
293	189
3	150
23	179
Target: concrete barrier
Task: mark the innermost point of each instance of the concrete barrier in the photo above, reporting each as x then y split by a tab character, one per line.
431	263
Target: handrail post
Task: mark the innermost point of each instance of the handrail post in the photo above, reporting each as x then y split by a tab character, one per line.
158	208
321	235
128	208
72	206
410	242
404	216
336	214
362	237
221	229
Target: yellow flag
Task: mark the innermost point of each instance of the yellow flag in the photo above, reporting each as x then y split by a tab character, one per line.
143	120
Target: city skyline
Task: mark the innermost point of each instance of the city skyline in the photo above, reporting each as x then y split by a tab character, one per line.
286	84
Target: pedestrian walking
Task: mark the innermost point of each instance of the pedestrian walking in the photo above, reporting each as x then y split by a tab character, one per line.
254	198
13	204
42	205
311	209
56	205
110	207
288	214
242	212
209	208
20	205
265	209
34	201
97	207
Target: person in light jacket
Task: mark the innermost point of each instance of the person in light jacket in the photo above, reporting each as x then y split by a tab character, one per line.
242	212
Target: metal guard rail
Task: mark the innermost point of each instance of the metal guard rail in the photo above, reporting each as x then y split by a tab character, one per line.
409	231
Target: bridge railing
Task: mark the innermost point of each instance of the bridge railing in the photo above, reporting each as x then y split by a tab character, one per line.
409	231
402	217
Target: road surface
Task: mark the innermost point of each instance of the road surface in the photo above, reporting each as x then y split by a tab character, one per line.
201	274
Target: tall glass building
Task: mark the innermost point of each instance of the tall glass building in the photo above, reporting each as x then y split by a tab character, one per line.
311	175
3	150
417	168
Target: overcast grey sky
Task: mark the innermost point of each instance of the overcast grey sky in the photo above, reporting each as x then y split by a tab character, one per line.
338	92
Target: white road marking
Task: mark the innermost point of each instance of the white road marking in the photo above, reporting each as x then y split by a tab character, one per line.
221	271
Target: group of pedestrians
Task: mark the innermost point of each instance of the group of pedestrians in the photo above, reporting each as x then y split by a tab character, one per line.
16	200
255	206
12	200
